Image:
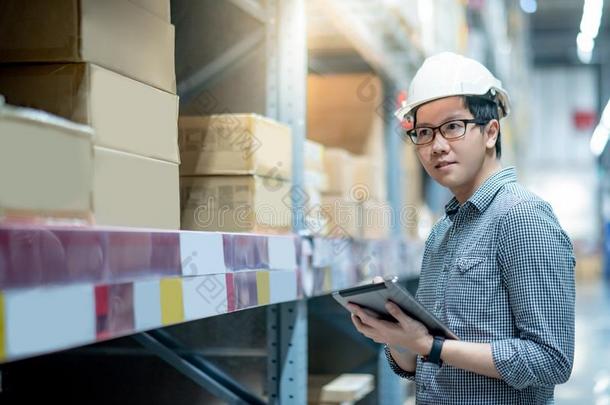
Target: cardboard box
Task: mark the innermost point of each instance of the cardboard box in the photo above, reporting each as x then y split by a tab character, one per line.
126	115
369	179
132	190
235	144
251	204
314	156
339	172
344	217
345	110
46	165
376	219
116	34
160	8
341	215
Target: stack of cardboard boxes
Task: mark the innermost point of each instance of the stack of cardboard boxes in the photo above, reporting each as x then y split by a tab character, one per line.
338	206
355	198
369	190
412	198
345	113
315	184
108	64
235	173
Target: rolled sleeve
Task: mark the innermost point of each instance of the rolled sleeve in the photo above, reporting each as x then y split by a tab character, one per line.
537	263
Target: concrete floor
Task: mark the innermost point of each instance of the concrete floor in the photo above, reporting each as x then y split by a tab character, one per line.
590	381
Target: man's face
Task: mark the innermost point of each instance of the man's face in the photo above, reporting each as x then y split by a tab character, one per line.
455	163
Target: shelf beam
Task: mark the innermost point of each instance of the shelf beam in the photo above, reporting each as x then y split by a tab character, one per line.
252	8
197	369
217	69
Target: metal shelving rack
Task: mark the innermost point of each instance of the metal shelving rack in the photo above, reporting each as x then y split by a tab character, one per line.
259	64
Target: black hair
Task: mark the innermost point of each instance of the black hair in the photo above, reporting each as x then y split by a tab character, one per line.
482	108
485	110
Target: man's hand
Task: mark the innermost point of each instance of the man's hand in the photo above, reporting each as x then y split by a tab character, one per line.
407	332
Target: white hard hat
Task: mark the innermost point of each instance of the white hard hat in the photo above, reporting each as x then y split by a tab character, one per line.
448	74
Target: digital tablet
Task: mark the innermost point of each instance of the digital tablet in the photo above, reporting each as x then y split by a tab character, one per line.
375	296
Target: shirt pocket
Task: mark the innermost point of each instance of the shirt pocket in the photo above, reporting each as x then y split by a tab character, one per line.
471	290
465	264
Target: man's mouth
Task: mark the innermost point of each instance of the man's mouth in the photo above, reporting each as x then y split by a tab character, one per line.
443	164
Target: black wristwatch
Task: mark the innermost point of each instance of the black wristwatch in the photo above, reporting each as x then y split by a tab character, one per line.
435	352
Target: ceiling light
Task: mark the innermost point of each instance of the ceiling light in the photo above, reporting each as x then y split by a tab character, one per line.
589	28
599	139
585	42
591	17
601	133
528	6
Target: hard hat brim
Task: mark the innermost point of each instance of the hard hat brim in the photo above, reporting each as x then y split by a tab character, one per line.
502	99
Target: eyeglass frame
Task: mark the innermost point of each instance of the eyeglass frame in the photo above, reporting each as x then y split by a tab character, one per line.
436	129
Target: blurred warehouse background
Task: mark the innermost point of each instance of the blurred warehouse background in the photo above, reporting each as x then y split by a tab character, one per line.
183	183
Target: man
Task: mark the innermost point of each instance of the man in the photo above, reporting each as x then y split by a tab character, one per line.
497	269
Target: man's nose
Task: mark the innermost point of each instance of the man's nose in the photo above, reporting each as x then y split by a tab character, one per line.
439	143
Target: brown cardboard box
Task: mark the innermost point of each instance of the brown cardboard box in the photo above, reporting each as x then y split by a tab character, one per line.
46	165
126	115
115	34
376	219
160	8
342	215
339	171
132	190
235	204
368	178
235	144
345	110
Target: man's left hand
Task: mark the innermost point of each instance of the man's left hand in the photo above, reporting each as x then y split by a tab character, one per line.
406	333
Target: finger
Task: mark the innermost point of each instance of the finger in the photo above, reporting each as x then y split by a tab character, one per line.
375	322
398	314
377	280
356	321
370	313
356	310
361	312
363	316
362	328
360	325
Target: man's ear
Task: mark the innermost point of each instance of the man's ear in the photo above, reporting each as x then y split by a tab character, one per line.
490	132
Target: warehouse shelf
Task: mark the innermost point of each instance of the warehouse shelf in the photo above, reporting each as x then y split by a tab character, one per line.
344	34
62	287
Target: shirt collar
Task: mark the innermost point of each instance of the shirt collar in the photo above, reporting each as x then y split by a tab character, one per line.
486	192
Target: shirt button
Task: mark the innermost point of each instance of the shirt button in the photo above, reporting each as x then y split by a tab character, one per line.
445	267
424	388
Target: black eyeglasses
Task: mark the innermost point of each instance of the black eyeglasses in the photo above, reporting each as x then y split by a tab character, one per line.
450	130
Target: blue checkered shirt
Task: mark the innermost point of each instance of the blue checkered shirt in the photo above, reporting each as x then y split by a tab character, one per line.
499	269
